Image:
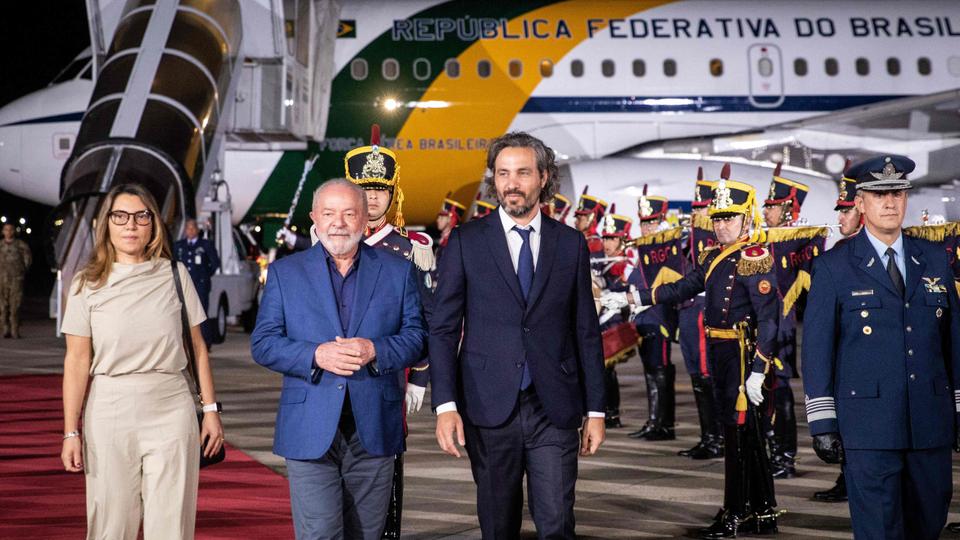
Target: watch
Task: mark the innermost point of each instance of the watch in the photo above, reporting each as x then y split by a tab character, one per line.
213	407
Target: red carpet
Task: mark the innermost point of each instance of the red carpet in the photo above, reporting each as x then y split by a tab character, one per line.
239	498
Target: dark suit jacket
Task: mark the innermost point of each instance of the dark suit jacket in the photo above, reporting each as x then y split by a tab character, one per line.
298	312
556	332
878	368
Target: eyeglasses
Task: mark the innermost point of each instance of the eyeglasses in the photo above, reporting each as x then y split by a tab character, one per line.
142	218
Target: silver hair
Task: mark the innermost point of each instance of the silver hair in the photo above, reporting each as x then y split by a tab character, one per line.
358	191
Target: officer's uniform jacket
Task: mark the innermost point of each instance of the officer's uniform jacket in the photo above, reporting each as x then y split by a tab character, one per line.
202	262
740	286
877	367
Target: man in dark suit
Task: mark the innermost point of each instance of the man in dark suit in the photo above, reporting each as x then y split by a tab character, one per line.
881	368
200	257
529	371
341	322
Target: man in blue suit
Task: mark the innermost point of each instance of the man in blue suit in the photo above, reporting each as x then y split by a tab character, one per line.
341	321
529	371
200	257
881	363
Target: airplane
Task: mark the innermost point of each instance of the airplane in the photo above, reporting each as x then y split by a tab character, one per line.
626	93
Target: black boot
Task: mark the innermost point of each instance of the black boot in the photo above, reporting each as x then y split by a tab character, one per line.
725	525
783	448
711	442
760	488
395	511
612	385
838	493
661	398
954	527
653	398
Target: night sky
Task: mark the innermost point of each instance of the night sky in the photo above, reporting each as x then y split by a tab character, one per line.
39	38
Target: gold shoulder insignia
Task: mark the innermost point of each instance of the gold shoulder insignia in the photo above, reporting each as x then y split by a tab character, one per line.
754	259
706	251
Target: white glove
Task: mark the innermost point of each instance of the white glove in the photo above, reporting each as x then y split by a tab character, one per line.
755	388
414	397
613	301
289	237
627	270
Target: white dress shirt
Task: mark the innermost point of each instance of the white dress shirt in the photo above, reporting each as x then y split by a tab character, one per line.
514	243
881	249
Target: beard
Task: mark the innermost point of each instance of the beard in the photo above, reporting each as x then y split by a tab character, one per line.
339	241
518	209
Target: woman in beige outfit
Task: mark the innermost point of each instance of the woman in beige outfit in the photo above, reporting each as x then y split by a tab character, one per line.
139	445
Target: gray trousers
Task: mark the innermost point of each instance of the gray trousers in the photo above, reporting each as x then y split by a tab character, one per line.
342	495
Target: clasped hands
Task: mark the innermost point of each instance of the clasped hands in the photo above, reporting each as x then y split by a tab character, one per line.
344	356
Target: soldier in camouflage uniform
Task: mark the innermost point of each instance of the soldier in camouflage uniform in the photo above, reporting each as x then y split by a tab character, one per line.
15	259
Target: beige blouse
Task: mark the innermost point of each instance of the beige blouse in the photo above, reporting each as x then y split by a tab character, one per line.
134	319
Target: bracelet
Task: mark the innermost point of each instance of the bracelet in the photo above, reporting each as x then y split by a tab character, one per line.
71	435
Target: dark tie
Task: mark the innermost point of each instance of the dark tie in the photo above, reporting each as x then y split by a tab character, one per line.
525	275
894	270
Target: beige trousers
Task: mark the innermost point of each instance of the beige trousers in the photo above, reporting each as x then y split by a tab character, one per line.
141	457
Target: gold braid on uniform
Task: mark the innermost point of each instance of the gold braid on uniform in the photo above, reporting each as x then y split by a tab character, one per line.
751	264
706	251
933	233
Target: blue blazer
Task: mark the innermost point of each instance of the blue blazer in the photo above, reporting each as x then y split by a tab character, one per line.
556	332
880	369
298	312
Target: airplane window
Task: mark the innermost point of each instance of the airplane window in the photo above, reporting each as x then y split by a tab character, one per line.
421	69
515	67
863	66
608	68
923	65
953	65
639	68
576	68
669	67
716	67
452	68
359	69
390	69
63	143
765	67
483	69
546	68
893	66
831	67
800	67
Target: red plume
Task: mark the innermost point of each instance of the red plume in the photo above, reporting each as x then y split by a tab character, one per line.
375	135
725	171
776	171
699	173
644	190
479	195
846	166
613	208
585	188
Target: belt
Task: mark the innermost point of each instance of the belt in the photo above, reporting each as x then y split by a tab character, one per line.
721	333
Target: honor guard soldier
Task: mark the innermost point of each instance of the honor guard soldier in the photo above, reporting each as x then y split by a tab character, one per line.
850	223
614	231
782	209
482	208
881	377
656	326
589	212
375	169
693	342
15	259
557	208
741	329
200	257
451	215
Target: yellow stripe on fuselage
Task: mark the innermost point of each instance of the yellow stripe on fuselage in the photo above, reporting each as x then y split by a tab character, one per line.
482	109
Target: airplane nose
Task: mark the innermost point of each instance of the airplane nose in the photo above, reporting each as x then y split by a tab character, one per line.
11	179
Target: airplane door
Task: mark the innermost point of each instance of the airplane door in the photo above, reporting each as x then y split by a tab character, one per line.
766	76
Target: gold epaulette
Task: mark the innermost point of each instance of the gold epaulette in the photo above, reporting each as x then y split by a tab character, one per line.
706	251
754	259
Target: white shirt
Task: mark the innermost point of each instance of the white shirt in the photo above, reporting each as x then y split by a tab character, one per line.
514	243
881	249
